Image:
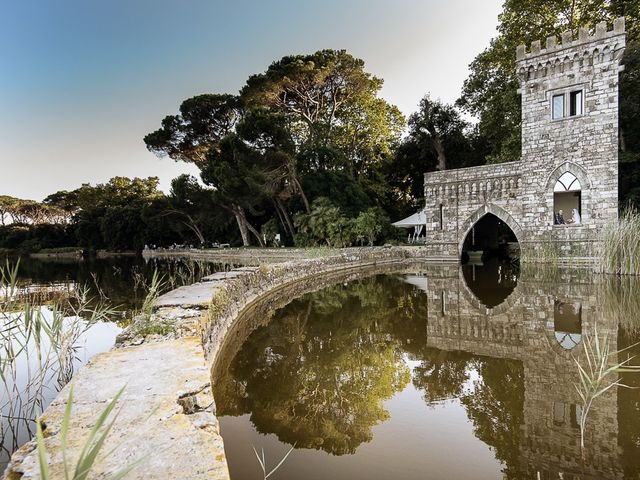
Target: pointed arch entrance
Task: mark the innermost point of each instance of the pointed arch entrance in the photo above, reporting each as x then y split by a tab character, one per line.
490	231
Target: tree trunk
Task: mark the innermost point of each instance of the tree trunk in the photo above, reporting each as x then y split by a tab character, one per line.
280	217
297	185
288	224
255	233
304	197
243	230
439	148
244	226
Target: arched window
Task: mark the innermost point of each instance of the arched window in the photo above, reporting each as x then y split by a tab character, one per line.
567	208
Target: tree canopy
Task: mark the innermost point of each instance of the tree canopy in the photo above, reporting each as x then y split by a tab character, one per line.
305	116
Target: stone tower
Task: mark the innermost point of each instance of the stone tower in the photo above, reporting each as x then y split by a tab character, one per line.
569	159
570	127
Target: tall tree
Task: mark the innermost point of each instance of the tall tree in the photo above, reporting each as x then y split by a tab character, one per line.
331	106
229	170
437	124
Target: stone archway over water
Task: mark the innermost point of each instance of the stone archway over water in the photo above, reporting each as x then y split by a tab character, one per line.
490	232
486	214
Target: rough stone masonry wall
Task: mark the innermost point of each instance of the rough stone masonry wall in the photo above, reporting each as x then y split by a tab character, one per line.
521	193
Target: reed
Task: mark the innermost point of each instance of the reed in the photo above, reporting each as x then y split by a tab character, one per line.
38	348
145	323
91	448
263	463
597	372
621	301
620	253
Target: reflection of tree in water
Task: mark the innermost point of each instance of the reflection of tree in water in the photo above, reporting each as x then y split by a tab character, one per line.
441	374
318	373
494	402
495	407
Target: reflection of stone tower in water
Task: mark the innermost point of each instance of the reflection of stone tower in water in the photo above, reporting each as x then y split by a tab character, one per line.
541	325
569	159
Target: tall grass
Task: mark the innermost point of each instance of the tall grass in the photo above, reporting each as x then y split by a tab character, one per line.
621	301
620	253
155	287
91	447
263	462
38	351
145	323
598	372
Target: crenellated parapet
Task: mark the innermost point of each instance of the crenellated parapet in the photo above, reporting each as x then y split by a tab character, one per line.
569	53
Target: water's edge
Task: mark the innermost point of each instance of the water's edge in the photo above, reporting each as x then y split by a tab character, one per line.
167	408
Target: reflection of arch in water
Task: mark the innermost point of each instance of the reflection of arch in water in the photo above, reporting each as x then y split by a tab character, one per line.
506	303
488	209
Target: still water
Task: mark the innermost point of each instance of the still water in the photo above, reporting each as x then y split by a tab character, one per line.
437	373
31	377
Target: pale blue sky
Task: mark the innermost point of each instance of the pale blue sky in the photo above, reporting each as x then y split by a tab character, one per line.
81	82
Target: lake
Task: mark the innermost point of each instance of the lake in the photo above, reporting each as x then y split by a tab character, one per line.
441	372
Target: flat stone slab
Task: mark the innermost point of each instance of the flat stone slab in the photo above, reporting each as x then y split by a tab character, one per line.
196	295
151	423
218	276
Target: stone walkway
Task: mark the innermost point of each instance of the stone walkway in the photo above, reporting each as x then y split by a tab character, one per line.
165	415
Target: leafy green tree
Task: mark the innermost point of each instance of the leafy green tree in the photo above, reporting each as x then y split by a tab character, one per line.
269	134
370	224
332	109
110	215
326	224
262	151
65	201
231	171
630	100
345	192
9	208
437	124
203	122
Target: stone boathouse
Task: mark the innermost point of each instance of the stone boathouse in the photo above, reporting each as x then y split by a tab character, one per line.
569	161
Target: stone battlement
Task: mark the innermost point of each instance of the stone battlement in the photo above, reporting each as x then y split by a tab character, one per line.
586	50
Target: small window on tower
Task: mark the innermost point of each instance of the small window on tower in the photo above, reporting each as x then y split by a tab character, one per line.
558	106
575	103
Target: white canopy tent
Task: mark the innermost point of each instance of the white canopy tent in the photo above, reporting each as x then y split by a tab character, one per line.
417	221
